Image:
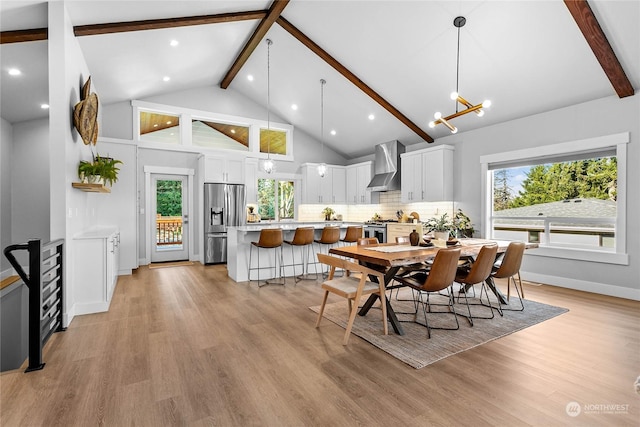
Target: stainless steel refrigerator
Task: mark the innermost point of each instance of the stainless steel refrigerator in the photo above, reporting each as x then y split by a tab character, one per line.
223	207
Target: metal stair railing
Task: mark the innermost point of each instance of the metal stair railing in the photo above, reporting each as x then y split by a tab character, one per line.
45	283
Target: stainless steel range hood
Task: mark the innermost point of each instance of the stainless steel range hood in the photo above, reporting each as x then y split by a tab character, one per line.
387	167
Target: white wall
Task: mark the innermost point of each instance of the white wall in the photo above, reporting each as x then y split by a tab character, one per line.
6	155
70	209
605	116
29	179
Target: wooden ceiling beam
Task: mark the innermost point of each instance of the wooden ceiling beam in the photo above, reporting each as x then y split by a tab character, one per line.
271	16
158	24
19	36
597	40
310	44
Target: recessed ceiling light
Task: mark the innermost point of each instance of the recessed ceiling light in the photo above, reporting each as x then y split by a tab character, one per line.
169	122
233	131
371	117
333	132
14	72
250	77
166	78
44	106
174	43
294	106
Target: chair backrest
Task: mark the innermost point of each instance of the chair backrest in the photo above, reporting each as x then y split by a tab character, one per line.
365	241
443	271
402	239
512	260
270	238
353	234
303	236
330	235
349	267
481	267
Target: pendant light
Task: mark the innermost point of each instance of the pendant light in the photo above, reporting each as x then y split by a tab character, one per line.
459	22
322	167
268	165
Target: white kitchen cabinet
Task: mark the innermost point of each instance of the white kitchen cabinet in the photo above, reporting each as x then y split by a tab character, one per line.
411	178
427	175
251	180
401	230
328	189
338	184
224	169
358	177
96	259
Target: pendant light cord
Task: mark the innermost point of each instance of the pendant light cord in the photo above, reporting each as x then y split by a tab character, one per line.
322	83
269	42
458	68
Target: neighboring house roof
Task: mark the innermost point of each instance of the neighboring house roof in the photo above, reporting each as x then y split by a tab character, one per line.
572	208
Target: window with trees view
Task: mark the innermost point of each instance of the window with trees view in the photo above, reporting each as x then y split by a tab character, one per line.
566	203
276	199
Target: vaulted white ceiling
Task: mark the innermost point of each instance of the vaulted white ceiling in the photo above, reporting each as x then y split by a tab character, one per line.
526	56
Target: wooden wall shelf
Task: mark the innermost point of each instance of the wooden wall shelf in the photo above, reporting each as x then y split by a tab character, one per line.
91	188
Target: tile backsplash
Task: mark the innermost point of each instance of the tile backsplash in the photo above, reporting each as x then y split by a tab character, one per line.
389	204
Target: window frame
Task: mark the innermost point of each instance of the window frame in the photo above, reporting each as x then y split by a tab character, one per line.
186	116
617	142
297	184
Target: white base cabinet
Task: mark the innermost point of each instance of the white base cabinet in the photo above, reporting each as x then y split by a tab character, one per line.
96	254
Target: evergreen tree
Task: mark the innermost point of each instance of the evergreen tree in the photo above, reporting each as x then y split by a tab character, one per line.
591	178
169	198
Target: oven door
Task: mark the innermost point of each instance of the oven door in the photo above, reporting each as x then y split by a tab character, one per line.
378	232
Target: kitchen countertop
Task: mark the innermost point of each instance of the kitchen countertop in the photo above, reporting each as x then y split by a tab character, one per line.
292	225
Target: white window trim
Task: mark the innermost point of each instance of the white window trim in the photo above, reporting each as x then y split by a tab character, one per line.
618	141
187	114
297	193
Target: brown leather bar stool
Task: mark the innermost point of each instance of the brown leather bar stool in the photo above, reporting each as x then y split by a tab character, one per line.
329	237
303	238
270	238
354	232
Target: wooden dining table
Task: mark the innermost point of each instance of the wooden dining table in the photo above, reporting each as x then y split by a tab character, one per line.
390	257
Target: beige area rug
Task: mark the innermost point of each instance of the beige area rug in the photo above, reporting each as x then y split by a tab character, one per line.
415	349
170	264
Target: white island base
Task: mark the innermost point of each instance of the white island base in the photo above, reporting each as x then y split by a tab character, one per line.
239	242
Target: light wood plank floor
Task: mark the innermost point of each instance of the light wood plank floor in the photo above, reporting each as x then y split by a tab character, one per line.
187	346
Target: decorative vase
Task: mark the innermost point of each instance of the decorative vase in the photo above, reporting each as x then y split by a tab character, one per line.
414	238
441	235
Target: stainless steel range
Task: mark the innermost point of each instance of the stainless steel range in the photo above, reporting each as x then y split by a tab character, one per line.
377	229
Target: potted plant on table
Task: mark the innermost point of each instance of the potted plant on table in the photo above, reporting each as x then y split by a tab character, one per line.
441	226
462	224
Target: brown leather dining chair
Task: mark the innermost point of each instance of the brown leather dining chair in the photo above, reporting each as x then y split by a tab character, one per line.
478	272
364	241
352	288
508	268
439	277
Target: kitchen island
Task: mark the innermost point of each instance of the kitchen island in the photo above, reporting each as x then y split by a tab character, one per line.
239	242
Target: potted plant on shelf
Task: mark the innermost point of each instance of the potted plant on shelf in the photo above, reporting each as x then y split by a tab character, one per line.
462	224
328	212
441	227
101	170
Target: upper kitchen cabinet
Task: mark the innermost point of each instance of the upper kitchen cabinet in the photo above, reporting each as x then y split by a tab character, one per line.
224	169
358	177
251	180
427	175
328	189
